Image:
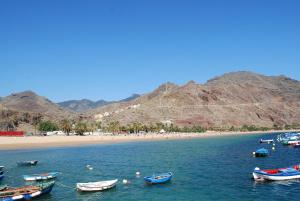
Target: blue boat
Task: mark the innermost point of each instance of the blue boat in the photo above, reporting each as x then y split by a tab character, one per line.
261	152
40	177
26	192
159	178
1	175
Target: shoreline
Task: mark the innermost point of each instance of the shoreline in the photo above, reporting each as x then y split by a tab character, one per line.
32	142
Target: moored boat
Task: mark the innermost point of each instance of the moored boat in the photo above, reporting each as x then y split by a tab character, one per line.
159	178
27	163
3	187
288	136
96	186
266	141
40	177
277	174
261	152
26	192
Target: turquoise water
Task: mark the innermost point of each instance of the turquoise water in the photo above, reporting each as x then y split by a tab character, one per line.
217	168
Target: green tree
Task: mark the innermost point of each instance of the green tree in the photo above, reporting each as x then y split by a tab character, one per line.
114	127
46	126
80	128
66	126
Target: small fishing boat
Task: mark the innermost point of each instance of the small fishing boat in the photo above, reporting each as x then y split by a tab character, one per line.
1	175
26	192
96	186
159	178
261	152
27	163
277	174
40	177
269	141
3	187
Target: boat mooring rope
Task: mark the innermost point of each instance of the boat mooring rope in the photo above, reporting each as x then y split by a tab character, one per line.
64	186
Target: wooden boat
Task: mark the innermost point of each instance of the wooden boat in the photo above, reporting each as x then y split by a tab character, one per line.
261	152
1	175
26	192
159	178
96	186
3	187
40	177
277	174
27	163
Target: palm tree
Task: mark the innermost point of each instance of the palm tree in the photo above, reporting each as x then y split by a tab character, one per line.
35	121
66	126
114	127
80	128
137	126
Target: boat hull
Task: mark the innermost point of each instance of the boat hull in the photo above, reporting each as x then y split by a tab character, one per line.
41	177
154	180
28	196
27	163
260	177
96	186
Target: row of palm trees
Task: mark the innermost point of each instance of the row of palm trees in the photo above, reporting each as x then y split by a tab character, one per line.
114	127
81	127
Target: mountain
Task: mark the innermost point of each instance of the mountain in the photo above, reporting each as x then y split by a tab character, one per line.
130	98
82	105
233	99
26	107
29	101
85	104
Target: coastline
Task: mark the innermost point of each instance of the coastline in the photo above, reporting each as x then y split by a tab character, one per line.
30	142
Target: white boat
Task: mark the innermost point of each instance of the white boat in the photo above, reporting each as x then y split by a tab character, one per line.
277	174
97	186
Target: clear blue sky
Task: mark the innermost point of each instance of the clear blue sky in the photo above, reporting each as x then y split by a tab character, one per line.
68	49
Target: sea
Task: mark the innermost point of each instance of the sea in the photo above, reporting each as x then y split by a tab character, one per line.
208	169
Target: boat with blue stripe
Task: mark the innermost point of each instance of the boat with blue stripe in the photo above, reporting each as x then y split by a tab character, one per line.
280	174
26	192
40	177
159	178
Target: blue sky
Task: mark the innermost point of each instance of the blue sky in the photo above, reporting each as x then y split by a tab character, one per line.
68	49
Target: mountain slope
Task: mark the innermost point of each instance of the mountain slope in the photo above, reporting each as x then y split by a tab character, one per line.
82	105
28	101
233	99
85	104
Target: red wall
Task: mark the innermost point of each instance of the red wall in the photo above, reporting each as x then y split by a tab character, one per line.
12	133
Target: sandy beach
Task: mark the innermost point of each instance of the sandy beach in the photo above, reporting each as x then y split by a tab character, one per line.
10	143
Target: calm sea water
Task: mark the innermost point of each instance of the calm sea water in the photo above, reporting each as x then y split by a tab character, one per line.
217	168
